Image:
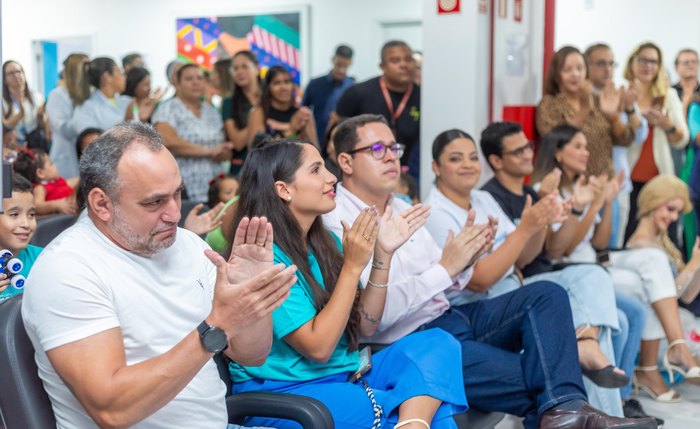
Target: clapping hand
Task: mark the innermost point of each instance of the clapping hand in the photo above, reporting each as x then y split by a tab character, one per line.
394	231
360	238
204	222
613	186
550	182
610	101
461	250
251	251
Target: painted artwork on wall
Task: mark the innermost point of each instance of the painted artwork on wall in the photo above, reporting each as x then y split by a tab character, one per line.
274	38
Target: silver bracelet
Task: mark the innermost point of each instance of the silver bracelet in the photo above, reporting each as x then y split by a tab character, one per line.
378	286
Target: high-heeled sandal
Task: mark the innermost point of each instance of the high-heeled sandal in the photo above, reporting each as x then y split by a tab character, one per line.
670	396
691	374
604	377
409	421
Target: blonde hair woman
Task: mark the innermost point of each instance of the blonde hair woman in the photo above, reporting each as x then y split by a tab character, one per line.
59	108
664	112
661	201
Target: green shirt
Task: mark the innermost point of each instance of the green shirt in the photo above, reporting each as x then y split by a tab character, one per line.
284	362
216	238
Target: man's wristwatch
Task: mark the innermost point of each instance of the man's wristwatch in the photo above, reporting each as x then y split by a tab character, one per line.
212	338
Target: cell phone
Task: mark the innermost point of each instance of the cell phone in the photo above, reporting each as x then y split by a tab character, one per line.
658	102
365	364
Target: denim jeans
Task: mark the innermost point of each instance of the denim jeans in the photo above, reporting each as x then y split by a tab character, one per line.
627	340
519	351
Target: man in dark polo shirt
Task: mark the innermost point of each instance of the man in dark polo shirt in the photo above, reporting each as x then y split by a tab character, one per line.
322	93
392	95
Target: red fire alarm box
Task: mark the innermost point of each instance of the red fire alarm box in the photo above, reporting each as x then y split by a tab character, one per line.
448	6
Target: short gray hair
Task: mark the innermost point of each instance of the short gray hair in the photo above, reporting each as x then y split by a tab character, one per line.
98	165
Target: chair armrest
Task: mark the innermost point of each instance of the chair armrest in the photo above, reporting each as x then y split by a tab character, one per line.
308	412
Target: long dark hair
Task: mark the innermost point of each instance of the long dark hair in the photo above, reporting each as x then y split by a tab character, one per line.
280	160
133	78
266	98
546	160
6	91
240	106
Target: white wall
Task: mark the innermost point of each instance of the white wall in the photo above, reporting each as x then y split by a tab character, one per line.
148	26
623	24
454	91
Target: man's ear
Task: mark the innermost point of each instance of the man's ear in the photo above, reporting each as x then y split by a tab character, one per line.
101	204
345	163
282	191
496	162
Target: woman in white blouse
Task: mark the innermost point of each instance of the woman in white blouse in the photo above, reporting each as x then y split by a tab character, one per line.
194	132
60	105
21	108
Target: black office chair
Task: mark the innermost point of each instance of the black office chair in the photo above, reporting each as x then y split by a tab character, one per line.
47	228
25	404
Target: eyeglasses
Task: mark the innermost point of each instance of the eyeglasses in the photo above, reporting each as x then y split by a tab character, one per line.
647	61
604	64
521	150
378	150
688	63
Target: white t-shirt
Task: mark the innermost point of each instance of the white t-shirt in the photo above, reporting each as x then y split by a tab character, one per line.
83	284
445	215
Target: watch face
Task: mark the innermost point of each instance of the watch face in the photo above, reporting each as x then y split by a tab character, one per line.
214	340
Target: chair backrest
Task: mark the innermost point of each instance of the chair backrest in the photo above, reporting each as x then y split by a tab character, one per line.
49	227
23	400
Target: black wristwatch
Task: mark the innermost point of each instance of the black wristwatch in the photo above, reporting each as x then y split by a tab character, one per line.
630	111
212	338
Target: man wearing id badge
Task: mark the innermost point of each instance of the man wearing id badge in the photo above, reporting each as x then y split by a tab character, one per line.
392	95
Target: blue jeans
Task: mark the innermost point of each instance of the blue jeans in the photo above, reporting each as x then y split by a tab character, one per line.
519	351
626	341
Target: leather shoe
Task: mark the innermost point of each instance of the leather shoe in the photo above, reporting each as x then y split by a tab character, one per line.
587	417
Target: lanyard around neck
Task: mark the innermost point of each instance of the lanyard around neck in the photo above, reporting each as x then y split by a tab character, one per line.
390	105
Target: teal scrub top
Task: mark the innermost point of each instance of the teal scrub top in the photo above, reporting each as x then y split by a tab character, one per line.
284	362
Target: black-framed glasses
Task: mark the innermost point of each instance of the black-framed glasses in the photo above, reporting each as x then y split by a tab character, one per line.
378	150
521	150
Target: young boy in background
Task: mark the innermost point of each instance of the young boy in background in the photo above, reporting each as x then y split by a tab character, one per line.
17	226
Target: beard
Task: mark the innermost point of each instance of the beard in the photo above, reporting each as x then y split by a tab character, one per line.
134	242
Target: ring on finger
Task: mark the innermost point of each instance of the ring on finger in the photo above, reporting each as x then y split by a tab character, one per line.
260	244
366	237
